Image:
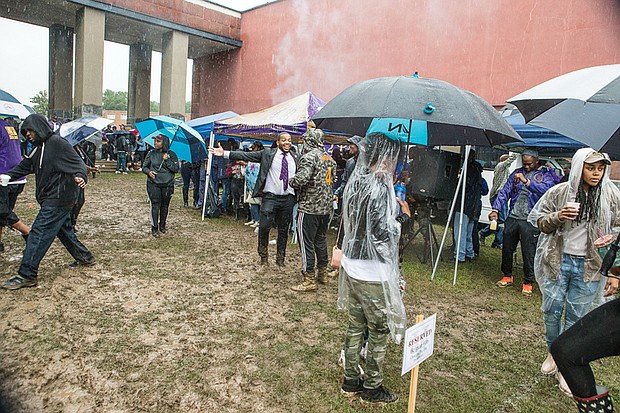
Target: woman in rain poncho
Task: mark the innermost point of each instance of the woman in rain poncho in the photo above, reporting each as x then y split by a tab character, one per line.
567	262
369	278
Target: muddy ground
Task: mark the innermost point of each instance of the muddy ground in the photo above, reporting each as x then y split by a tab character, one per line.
190	323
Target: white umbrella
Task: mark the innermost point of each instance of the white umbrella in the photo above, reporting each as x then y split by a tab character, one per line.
9	106
80	129
583	105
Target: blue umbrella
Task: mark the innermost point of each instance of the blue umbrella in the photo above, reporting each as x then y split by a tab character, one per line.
80	129
184	140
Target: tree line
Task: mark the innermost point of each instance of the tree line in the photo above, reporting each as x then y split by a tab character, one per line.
112	100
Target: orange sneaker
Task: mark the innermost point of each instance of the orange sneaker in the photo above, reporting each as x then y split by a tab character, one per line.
504	282
527	289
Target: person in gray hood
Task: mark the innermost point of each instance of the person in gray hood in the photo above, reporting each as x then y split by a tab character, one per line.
160	166
59	172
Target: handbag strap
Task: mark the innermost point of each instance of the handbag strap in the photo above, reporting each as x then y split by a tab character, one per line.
340	227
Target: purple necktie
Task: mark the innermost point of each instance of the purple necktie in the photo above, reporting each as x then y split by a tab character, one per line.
284	172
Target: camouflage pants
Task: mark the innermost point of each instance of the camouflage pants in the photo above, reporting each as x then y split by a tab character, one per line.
366	310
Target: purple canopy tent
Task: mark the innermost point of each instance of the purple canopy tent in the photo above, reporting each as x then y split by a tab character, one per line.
290	116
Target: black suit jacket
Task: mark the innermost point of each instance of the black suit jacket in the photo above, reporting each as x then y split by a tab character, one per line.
265	158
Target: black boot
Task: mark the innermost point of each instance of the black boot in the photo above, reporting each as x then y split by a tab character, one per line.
263	252
595	404
280	255
185	197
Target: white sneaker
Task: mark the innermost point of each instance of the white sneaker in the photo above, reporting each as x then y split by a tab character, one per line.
256	230
117	172
272	242
548	367
563	385
124	173
248	223
255	224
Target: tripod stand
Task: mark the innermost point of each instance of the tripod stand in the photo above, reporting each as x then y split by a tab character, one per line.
423	214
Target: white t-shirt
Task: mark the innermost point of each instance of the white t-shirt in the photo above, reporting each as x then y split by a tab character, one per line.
366	270
575	238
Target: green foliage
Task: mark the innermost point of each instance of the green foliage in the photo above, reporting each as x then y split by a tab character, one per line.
188	107
40	102
114	100
154	106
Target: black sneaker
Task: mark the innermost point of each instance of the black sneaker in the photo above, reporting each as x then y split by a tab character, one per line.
87	263
352	387
155	232
378	395
18	282
163	230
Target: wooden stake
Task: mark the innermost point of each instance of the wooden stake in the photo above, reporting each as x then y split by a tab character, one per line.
413	387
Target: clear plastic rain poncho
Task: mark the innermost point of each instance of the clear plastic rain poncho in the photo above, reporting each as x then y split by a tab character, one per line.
550	246
371	231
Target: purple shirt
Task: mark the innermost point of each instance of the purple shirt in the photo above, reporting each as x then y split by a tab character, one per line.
10	154
542	179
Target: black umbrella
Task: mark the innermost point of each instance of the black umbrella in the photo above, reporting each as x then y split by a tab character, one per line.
416	110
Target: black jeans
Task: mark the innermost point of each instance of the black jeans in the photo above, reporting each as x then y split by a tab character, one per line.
516	230
51	222
278	209
311	230
593	337
160	197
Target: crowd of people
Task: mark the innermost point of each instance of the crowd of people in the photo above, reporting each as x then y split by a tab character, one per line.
279	187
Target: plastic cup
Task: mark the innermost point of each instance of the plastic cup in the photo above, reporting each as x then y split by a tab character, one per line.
4	180
575	205
493	225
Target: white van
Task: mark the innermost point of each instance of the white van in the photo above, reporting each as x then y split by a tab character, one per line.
489	157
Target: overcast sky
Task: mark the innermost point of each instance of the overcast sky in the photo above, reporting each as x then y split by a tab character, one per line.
27	72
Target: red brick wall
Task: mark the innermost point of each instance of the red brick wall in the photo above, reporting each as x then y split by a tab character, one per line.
495	48
182	12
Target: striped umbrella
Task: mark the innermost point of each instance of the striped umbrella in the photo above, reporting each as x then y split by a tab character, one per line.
10	106
185	142
80	129
583	105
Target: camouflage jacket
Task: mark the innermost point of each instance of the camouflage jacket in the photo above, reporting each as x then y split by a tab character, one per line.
313	179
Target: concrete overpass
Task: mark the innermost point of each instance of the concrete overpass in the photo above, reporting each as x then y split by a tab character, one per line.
179	29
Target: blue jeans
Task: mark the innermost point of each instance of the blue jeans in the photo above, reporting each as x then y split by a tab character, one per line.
255	212
467	245
121	161
568	292
51	222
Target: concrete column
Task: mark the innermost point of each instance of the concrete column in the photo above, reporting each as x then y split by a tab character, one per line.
61	71
173	73
89	37
139	97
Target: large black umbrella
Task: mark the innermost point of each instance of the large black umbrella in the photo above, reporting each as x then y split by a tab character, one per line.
583	105
416	110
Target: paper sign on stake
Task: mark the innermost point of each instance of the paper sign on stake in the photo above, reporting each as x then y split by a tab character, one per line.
419	343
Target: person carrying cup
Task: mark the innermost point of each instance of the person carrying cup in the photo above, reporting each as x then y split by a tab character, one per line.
571	216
